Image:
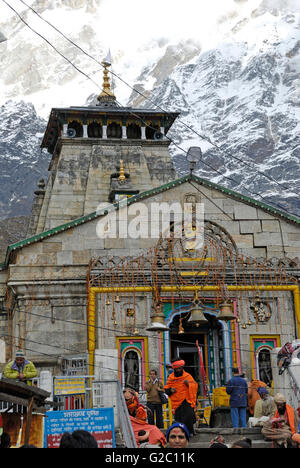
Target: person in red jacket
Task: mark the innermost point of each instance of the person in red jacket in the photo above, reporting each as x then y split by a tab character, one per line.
182	391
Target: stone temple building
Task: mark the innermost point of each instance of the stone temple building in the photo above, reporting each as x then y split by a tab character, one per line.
97	285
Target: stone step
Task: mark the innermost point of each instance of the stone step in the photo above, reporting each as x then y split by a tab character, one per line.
194	443
203	436
206	432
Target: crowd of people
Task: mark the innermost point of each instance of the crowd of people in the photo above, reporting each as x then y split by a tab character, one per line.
147	421
279	422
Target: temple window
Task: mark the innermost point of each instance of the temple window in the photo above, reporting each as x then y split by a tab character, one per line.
134	131
94	130
114	130
77	127
150	130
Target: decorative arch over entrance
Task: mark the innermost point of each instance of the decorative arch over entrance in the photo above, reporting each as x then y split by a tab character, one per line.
169	273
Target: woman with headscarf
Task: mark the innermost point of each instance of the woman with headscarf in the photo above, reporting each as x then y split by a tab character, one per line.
178	436
138	418
182	391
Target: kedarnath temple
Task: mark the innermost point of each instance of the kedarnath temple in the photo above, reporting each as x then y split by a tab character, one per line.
73	297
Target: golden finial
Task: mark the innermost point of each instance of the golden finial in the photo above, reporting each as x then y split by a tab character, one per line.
122	176
106	94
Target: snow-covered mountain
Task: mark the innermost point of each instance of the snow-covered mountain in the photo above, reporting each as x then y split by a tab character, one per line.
233	75
22	163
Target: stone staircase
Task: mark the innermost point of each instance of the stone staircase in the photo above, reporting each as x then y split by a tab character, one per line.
204	435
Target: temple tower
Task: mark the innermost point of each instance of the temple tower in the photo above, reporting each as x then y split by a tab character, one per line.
87	146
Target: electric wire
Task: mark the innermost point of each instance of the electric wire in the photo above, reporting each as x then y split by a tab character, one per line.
118	78
203	137
120	371
114	74
241	348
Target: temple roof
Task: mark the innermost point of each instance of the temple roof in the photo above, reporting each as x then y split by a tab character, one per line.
60	115
143	195
107	107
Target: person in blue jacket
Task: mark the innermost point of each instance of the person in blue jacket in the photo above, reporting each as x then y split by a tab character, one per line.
237	388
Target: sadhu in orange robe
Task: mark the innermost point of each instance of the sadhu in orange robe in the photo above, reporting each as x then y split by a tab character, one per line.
184	399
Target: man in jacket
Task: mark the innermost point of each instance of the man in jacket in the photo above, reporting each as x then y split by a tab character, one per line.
237	388
20	369
182	391
153	387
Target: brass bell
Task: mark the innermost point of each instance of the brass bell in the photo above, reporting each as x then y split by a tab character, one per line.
136	332
197	317
158	322
107	302
226	312
117	299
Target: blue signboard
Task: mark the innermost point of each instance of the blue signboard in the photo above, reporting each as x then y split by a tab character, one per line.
98	421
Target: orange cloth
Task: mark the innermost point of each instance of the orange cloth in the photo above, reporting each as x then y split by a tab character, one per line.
141	414
253	394
182	391
155	435
290	417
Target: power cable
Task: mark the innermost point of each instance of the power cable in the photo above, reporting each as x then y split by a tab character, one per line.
114	330
93	81
49	43
203	137
132	113
100	367
209	199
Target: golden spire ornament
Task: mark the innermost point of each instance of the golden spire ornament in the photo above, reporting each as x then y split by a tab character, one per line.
106	96
122	176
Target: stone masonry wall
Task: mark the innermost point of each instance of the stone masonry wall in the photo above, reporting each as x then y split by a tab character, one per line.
60	263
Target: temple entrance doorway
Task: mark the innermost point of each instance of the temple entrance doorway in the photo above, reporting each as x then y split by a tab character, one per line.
184	347
210	337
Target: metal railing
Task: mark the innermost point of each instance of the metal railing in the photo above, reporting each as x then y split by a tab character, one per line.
295	393
109	393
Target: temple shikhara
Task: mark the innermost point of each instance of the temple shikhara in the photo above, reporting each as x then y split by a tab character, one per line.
76	299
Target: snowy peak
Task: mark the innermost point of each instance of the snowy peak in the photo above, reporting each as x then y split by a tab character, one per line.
21	162
230	67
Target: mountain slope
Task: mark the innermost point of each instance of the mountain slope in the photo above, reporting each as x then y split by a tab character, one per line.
21	162
235	80
243	99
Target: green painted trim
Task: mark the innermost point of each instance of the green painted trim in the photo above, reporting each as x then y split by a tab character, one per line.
139	197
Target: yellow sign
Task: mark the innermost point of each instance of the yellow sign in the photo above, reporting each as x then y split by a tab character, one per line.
69	386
